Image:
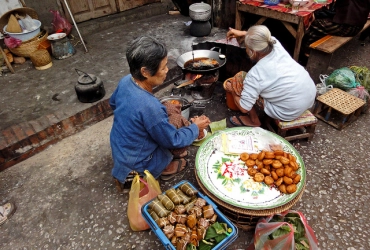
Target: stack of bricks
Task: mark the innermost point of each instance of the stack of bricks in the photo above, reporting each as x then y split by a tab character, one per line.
19	142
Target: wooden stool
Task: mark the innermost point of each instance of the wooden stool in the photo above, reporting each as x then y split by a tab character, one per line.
305	125
338	108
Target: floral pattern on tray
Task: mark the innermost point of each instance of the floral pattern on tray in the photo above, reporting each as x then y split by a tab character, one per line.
226	177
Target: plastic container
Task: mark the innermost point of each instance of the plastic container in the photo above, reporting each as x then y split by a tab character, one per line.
271	2
25	35
220	218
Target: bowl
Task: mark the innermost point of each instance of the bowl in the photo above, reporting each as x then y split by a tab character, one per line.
185	113
24	36
200	12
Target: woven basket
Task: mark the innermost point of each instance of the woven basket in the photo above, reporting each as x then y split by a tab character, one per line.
41	59
29	46
246	219
20	11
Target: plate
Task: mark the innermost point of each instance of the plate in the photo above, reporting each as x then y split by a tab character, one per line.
235	186
205	135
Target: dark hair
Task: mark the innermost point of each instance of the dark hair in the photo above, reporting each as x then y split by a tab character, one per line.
146	52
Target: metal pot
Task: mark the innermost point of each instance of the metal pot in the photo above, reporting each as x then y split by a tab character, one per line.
211	54
200	11
184	103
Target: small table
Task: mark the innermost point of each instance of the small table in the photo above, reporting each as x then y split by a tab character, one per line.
281	12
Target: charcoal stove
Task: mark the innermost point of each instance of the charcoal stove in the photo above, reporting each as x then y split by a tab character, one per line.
203	85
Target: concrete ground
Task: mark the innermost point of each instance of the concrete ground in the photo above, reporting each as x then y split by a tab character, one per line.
65	195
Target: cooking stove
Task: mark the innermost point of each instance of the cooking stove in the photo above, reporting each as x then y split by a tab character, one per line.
201	90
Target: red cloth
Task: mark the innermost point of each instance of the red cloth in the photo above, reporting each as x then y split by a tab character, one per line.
305	11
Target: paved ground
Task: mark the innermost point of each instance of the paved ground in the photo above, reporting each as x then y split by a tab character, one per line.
65	195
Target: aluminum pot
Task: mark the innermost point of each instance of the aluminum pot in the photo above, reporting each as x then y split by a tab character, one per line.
185	112
200	11
212	54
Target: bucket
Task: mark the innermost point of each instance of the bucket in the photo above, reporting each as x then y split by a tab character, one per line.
41	59
61	47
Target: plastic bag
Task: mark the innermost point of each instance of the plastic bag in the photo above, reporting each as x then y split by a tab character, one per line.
28	24
12	42
362	75
321	88
60	24
138	196
362	93
288	230
342	78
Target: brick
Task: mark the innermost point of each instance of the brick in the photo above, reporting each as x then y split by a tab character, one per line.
78	119
18	131
105	105
31	134
44	122
42	135
100	107
34	140
68	126
2	157
9	136
27	128
37	127
52	119
87	115
60	115
8	153
3	143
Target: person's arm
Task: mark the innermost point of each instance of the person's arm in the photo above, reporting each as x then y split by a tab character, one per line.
234	33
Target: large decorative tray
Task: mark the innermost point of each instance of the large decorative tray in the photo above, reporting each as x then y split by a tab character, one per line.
220	171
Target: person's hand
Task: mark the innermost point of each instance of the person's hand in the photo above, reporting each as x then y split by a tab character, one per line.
201	121
234	33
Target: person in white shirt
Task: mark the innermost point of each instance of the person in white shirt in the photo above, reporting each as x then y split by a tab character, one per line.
279	85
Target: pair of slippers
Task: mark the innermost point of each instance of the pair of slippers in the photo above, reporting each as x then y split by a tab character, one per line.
243	120
181	166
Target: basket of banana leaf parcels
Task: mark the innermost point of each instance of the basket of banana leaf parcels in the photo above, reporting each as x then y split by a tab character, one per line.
185	219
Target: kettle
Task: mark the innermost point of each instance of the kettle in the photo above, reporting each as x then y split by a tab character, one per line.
89	88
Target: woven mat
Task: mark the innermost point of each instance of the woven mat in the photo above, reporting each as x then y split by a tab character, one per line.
341	101
264	212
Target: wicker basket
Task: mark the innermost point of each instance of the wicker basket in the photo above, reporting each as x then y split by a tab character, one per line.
20	11
27	47
41	59
246	219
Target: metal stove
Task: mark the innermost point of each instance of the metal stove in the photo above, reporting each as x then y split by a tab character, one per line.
201	90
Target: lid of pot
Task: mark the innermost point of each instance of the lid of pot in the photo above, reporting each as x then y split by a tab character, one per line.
56	36
87	79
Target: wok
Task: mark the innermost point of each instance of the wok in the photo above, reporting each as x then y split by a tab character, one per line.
211	54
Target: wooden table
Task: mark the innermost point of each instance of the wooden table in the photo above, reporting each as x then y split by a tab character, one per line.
280	12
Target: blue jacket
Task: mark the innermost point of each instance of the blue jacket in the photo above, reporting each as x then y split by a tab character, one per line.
141	134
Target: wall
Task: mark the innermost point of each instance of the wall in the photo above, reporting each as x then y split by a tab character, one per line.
223	11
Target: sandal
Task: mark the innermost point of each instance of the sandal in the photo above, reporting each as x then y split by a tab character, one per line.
183	155
6	211
247	121
180	169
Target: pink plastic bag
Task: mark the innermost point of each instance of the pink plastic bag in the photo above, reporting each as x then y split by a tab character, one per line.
12	42
281	226
60	24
